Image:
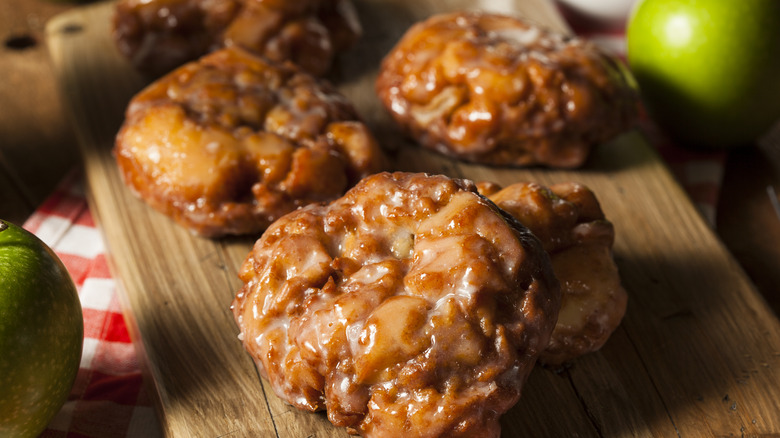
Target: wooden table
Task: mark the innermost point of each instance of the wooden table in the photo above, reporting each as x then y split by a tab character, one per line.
37	148
37	145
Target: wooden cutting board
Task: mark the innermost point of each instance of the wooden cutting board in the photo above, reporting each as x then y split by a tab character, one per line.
698	353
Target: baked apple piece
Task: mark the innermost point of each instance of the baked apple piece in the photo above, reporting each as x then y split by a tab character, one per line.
411	305
498	90
231	142
159	35
571	225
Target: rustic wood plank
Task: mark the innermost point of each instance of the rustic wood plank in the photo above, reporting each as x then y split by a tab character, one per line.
179	279
698	353
37	146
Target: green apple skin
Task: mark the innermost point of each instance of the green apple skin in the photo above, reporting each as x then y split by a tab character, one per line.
708	70
41	333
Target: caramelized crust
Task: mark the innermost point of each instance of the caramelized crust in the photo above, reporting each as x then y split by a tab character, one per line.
230	143
494	89
412	305
568	220
159	35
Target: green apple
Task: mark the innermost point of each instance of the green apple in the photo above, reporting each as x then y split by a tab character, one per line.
708	70
41	333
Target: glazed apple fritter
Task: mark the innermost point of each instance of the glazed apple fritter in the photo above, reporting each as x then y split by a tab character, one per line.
497	90
410	306
159	35
571	225
230	143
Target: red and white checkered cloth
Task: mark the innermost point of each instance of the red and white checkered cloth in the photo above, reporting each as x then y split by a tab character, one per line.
108	399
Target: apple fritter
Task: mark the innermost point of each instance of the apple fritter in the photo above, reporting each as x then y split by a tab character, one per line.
159	35
494	89
231	142
571	225
410	305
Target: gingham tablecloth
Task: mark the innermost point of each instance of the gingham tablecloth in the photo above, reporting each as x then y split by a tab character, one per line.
109	399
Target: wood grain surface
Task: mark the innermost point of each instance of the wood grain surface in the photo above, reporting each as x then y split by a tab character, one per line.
698	353
37	145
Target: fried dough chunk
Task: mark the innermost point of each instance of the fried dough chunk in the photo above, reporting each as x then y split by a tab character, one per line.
159	35
494	89
568	220
228	144
412	306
